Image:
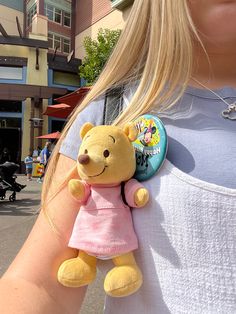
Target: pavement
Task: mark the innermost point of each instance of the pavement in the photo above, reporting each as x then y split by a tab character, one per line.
16	221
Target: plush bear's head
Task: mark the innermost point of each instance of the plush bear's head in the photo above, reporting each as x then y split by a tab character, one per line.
106	155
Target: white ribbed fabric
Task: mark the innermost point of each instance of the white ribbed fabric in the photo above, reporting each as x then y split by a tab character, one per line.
187	248
187	232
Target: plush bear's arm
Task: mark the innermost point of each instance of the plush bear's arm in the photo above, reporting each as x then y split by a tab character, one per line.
141	197
78	189
136	194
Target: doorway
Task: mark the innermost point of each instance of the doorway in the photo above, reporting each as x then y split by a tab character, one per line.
10	138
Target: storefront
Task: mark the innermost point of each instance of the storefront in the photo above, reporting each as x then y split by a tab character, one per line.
11	129
30	77
21	117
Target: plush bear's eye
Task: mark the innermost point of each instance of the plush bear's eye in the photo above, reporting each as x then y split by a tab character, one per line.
86	151
106	153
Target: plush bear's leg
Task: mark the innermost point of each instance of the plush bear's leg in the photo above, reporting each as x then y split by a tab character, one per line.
125	278
77	272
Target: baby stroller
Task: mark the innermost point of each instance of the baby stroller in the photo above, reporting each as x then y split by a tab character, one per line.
8	181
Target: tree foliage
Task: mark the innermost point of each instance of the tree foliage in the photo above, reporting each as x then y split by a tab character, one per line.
97	53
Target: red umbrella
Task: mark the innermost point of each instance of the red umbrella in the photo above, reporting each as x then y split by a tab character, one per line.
58	111
55	135
69	102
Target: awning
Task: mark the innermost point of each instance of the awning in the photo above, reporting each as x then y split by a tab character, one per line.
23	91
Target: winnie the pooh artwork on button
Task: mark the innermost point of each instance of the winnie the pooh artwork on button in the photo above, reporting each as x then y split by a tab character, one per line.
103	228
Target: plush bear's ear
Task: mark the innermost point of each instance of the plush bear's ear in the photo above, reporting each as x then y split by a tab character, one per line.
131	131
85	128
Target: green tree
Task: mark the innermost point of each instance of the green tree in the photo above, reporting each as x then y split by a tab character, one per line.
97	53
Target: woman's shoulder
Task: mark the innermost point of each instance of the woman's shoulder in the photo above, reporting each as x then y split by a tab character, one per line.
92	113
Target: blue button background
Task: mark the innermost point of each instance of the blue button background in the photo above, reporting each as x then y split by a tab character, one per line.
150	146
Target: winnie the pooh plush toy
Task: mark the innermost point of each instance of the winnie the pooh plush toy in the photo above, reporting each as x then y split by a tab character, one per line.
103	228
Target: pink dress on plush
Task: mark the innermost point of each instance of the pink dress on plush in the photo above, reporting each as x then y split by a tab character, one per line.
104	225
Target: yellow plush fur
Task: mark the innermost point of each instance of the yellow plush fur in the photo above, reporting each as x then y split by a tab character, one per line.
119	165
106	157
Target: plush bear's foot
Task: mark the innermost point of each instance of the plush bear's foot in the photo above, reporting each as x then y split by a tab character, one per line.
77	272
123	280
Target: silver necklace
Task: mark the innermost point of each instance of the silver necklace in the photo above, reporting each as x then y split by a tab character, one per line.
230	111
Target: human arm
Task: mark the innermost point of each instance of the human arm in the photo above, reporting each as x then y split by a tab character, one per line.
30	284
45	157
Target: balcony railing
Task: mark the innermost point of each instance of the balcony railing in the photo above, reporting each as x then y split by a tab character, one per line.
121	4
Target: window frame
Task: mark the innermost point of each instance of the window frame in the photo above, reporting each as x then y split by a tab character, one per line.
31	12
69	18
11	73
54	37
66	44
53	13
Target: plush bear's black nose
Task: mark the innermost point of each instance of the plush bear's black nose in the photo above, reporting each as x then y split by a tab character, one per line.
83	159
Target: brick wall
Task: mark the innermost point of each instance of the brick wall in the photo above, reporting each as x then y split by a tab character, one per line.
59	29
89	12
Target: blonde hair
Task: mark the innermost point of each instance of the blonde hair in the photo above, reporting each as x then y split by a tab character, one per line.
155	50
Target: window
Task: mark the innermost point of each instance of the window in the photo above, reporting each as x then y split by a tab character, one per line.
57	125
54	41
57	42
49	11
50	40
54	14
31	13
11	73
10	106
65	78
57	15
62	43
67	19
66	45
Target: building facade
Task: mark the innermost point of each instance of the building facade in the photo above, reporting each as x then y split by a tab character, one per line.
41	47
37	65
95	14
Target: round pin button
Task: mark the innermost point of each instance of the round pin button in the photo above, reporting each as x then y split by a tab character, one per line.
150	146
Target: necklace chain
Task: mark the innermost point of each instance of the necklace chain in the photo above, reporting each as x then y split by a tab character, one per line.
226	113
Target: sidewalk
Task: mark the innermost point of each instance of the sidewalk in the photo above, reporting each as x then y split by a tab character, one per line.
17	219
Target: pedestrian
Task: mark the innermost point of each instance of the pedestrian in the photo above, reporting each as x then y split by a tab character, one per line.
5	155
29	166
177	60
44	157
36	152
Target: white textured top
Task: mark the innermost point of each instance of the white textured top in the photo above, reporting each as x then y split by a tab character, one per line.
187	248
187	232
